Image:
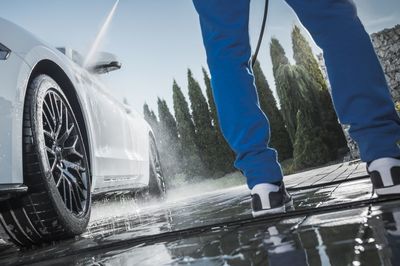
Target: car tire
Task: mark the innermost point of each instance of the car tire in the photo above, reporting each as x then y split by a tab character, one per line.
56	171
157	188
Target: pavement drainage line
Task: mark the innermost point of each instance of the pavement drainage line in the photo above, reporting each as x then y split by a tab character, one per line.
337	178
337	167
328	184
325	176
179	234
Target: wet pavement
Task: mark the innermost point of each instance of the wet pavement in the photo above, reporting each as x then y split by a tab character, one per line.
336	220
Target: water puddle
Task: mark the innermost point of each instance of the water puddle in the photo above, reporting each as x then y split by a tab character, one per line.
359	234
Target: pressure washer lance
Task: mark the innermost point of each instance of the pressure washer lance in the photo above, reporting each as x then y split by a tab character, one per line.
260	38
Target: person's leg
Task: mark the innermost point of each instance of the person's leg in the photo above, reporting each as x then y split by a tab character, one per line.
359	89
224	25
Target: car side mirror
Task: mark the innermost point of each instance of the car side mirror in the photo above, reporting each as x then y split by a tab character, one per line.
104	63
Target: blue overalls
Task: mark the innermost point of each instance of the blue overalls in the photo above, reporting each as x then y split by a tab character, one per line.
359	90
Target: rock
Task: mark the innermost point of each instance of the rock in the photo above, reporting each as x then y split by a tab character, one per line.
387	46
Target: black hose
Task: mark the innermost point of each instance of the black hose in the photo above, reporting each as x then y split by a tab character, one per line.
260	37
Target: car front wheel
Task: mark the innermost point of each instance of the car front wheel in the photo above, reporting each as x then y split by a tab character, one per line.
56	171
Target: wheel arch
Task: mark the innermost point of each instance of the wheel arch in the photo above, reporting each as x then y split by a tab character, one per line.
53	70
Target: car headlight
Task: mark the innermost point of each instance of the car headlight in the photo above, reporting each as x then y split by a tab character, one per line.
4	52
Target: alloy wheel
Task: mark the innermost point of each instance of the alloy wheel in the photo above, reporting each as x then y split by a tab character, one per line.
65	153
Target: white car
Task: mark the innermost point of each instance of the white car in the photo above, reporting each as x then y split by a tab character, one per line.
63	138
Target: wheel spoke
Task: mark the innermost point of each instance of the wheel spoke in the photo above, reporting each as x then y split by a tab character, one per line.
66	118
66	135
74	204
71	150
70	193
66	131
48	134
74	166
78	199
60	110
82	181
52	163
55	107
60	179
70	176
50	151
65	191
48	123
58	130
53	166
53	114
81	191
75	191
50	110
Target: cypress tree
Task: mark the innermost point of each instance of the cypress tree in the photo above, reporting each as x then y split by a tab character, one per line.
205	137
167	120
279	136
278	55
151	118
306	125
168	140
309	149
286	87
225	158
296	91
210	96
304	56
192	164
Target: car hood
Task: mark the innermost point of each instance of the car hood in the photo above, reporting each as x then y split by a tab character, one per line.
16	38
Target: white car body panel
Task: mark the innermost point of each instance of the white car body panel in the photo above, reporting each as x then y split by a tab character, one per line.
11	108
118	137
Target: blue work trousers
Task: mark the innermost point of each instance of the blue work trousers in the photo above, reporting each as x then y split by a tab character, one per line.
360	93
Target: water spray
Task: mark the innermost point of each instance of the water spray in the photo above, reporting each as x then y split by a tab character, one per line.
100	36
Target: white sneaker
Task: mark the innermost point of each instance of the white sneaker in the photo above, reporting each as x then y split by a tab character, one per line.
385	176
268	198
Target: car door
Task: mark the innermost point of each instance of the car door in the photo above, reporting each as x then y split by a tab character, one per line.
139	130
113	145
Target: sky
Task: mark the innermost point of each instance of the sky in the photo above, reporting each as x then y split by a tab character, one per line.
157	41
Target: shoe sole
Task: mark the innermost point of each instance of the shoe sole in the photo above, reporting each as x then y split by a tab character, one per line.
392	190
281	209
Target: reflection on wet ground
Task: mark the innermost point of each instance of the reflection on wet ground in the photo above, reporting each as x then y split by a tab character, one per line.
363	230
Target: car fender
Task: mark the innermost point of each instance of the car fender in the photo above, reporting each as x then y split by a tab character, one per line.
14	73
40	53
